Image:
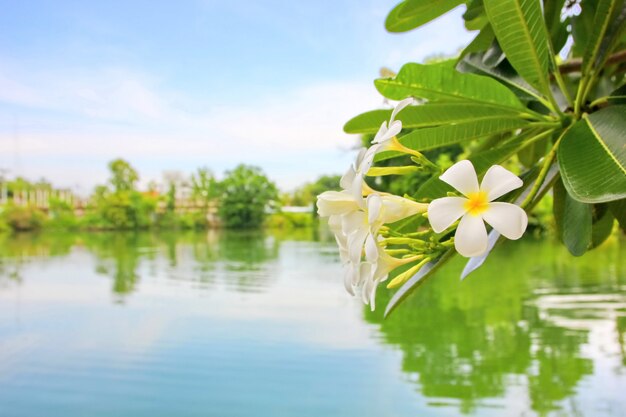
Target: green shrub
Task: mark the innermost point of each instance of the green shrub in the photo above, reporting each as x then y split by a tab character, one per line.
282	220
23	218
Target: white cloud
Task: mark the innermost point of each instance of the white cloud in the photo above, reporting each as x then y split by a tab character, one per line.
115	112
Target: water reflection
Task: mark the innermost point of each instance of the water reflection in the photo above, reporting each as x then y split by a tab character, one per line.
521	323
533	332
244	259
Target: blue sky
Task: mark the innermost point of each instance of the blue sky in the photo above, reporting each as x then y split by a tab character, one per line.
177	85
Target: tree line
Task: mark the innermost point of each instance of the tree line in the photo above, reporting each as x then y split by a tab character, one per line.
244	199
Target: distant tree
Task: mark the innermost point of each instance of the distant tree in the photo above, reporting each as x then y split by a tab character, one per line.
204	187
246	195
123	176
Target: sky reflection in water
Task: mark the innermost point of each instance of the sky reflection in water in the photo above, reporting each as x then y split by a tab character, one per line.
232	324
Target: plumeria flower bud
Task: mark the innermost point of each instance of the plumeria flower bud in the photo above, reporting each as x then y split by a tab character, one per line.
477	206
389	130
376	269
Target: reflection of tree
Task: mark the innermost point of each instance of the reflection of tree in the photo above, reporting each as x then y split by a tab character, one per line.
621	333
17	250
191	256
118	256
466	340
246	255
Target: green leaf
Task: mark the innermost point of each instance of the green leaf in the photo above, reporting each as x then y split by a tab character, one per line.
533	153
608	24
521	32
440	83
602	224
411	14
573	220
558	206
475	17
474	63
431	189
427	115
435	137
480	43
592	156
582	26
618	208
618	96
557	29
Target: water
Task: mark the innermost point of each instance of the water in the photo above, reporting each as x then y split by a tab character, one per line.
229	324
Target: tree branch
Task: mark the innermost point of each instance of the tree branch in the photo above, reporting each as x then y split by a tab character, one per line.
574	65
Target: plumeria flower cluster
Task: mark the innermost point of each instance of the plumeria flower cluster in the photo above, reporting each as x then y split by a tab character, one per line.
356	215
370	250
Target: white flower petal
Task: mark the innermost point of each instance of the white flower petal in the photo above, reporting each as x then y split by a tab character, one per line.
462	177
353	221
508	219
359	157
365	276
355	245
349	278
374	206
442	212
334	223
367	160
335	202
348	178
382	130
471	236
371	249
499	181
399	107
371	293
357	191
393	130
342	243
397	208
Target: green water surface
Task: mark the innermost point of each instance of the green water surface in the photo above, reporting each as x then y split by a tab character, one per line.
258	324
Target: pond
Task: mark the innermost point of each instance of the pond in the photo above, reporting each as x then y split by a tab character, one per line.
258	324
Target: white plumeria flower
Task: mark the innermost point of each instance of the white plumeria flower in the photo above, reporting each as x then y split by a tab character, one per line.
376	270
390	129
477	206
362	227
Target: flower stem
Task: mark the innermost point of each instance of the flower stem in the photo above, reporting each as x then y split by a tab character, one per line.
543	172
403	277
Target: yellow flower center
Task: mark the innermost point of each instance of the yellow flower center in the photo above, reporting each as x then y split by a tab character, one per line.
476	203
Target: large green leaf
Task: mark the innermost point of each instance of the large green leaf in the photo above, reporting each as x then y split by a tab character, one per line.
557	29
480	43
618	96
574	220
607	27
602	224
521	32
582	26
618	208
440	83
475	17
473	63
411	14
427	115
435	137
592	156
